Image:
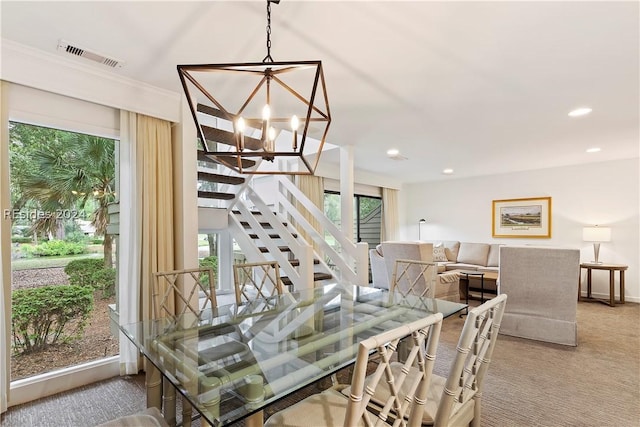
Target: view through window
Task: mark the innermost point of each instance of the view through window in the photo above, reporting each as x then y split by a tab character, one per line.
63	271
367	220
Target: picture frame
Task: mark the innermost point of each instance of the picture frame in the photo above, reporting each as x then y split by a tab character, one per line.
524	218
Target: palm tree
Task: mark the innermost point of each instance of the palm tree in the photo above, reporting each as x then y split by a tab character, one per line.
64	177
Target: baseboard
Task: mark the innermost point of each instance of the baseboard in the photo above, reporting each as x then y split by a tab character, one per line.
43	385
599	295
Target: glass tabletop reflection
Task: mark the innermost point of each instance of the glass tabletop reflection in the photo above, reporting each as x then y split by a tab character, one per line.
234	360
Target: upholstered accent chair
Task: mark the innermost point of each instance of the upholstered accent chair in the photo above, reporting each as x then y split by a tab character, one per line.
456	399
542	284
332	408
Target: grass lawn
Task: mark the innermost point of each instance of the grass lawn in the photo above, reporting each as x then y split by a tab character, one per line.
47	262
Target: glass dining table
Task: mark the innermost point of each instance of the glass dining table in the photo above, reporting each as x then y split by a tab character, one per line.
234	360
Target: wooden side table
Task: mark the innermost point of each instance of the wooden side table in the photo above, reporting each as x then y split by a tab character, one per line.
612	268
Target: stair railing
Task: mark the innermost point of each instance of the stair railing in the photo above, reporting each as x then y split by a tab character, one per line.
302	275
352	261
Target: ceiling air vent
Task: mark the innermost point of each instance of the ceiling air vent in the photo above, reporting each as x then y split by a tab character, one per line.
75	50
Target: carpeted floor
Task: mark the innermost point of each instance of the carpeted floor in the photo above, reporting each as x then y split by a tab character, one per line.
529	383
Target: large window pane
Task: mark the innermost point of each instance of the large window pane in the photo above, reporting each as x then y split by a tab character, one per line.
62	262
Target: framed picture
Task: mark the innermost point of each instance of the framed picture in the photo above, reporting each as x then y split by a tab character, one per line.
522	218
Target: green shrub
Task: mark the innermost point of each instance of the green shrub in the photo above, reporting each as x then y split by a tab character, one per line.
59	248
210	261
104	281
48	314
81	270
18	239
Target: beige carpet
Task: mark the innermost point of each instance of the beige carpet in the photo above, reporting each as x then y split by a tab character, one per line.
529	383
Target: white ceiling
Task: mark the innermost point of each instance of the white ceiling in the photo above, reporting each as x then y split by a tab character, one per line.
480	87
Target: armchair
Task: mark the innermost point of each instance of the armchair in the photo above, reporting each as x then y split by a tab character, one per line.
542	285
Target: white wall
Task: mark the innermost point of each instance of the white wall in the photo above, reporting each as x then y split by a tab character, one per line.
605	193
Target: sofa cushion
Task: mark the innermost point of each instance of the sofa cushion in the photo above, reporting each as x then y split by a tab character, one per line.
439	254
494	255
473	253
460	266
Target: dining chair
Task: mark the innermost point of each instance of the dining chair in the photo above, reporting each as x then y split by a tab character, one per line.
456	399
413	277
332	408
176	293
256	281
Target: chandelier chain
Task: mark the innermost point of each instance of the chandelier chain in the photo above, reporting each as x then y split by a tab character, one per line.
268	58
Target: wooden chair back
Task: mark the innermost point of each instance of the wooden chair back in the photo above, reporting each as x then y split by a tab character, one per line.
413	277
404	408
177	292
474	350
256	281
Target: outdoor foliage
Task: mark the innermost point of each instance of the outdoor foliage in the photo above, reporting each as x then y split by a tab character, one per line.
57	248
17	239
91	273
210	261
56	174
104	280
44	316
81	270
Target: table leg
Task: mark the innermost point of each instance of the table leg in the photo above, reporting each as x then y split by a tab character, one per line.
612	291
466	294
482	289
153	383
255	420
588	283
579	285
621	286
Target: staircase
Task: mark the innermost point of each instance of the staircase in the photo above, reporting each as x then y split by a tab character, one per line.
266	232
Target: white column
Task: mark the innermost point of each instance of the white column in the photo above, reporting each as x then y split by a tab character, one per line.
346	191
185	190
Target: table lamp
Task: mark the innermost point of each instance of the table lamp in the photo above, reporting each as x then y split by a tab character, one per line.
596	235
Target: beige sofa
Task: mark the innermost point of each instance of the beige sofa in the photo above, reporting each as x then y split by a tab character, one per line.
447	254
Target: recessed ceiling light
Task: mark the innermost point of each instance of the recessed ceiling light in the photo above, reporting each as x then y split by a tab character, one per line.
447	171
582	111
593	150
393	152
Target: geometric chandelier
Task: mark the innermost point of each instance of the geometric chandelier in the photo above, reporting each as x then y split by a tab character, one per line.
247	113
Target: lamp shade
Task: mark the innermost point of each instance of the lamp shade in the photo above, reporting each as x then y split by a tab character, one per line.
596	234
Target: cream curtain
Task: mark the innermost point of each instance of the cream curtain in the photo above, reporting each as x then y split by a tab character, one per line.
153	151
146	241
389	214
313	187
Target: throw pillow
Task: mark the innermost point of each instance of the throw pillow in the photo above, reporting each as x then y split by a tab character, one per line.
439	254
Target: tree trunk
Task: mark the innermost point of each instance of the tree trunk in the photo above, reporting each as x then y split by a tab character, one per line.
108	250
213	244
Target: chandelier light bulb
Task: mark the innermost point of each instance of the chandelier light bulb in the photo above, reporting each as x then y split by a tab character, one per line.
295	123
266	112
240	126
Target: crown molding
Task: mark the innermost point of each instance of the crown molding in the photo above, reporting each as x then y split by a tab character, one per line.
51	72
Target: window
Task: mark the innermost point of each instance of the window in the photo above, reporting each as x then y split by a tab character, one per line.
46	131
367	218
